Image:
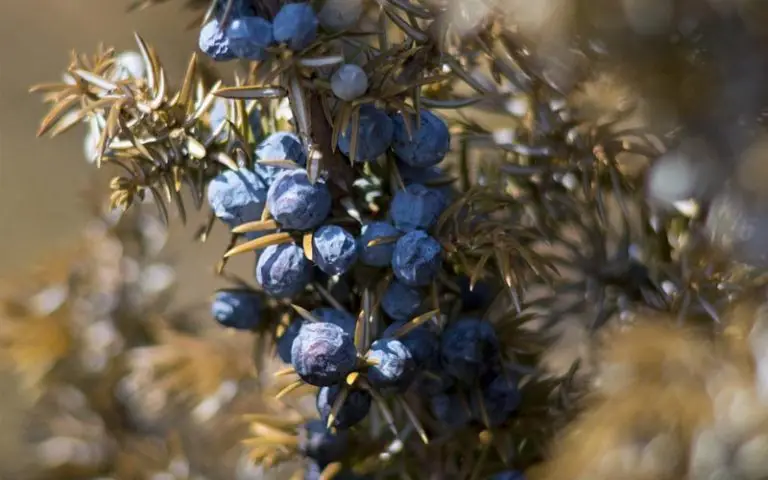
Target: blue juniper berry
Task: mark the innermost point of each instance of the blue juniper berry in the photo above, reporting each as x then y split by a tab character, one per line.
500	397
379	255
421	342
285	341
323	353
283	271
295	25
349	82
323	314
214	42
477	298
416	259
394	369
238	309
400	301
249	36
450	409
337	317
237	197
296	203
428	144
320	444
468	347
417	207
334	250
355	408
337	15
374	135
278	146
429	177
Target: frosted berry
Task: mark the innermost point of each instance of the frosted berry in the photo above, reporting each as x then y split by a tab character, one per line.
349	82
214	42
416	259
467	348
374	135
237	197
296	203
283	271
249	36
394	367
334	249
421	342
319	444
379	255
278	146
295	25
236	309
323	353
400	301
354	409
417	207
428	143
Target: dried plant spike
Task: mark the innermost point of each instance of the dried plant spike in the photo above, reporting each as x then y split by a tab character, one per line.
259	243
257	226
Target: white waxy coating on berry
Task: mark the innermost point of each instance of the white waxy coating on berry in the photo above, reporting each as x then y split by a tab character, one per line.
349	82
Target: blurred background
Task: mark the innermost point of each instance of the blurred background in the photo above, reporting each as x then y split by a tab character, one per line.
42	181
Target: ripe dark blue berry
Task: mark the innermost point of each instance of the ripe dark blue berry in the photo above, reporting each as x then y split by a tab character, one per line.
421	342
417	207
237	197
285	341
319	444
296	203
500	396
379	255
450	409
477	298
374	135
394	367
295	25
429	177
236	309
337	317
278	146
249	36
467	348
400	301
283	271
334	250
428	144
355	408
214	42
323	353
416	259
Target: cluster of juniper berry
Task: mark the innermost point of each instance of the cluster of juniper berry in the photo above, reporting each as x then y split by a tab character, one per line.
447	364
